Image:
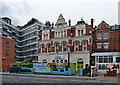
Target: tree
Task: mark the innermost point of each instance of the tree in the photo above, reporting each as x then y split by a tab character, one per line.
32	21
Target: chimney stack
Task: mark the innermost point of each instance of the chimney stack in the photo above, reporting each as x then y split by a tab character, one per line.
69	21
92	21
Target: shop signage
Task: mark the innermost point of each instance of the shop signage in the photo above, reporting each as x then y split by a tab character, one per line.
41	67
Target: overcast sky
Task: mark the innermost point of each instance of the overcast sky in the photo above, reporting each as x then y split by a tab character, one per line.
21	11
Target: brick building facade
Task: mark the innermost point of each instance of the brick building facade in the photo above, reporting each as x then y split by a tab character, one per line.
7	53
55	41
106	45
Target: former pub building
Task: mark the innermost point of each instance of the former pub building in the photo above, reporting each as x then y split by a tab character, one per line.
106	45
54	43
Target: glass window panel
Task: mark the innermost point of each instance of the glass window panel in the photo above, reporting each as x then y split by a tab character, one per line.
105	59
58	34
100	59
106	35
61	33
110	59
99	36
7	44
117	59
99	45
82	33
78	32
64	33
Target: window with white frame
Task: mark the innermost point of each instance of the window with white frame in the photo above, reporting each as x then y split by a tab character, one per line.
58	34
106	35
55	34
43	48
64	33
99	35
76	46
100	59
49	48
64	47
78	32
53	61
84	45
117	59
82	32
57	47
110	59
46	36
97	59
99	45
101	66
61	33
104	59
106	45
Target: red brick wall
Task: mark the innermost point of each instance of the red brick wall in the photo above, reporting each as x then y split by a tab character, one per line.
52	35
45	50
11	57
39	50
73	32
113	37
40	35
70	41
88	29
68	32
60	48
52	49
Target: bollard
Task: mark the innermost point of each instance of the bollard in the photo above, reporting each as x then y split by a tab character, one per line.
81	72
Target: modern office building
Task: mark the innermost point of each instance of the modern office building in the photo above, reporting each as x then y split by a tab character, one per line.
26	39
106	45
56	41
28	42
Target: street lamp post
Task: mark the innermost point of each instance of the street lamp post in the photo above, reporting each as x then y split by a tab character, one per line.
68	57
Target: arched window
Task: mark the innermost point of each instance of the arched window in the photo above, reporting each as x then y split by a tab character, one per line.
57	47
57	61
53	61
61	61
84	45
64	46
43	49
48	48
76	46
65	61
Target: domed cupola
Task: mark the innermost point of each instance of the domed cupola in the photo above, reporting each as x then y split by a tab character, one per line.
81	22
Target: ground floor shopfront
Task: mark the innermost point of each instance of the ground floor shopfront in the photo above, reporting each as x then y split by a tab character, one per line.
81	59
105	58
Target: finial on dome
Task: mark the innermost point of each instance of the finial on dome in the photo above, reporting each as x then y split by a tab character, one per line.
81	18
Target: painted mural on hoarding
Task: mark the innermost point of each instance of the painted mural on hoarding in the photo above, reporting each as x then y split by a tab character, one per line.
42	67
21	65
59	65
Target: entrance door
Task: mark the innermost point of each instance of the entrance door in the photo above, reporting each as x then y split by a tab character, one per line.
79	64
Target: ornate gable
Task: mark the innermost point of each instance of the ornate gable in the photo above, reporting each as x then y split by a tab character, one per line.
103	25
61	22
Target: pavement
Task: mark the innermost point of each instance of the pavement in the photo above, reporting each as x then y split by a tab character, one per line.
99	78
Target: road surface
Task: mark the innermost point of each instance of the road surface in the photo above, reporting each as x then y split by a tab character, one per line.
37	79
